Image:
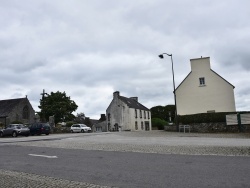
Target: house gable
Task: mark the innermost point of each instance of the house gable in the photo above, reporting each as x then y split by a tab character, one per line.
18	109
204	90
6	106
222	78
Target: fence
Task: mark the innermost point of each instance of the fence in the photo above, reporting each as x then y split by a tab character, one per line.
241	120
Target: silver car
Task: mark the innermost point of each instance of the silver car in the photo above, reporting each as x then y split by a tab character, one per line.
77	128
15	130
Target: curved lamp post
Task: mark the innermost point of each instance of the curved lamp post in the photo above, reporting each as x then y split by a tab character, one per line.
176	116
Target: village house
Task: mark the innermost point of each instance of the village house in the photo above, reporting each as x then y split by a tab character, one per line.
99	125
19	110
127	114
204	91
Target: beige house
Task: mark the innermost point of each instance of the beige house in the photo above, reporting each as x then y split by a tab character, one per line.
204	91
127	114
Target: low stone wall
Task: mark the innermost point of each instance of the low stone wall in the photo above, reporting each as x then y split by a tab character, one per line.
208	127
171	128
211	128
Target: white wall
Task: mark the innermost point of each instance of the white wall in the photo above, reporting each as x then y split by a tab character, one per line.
140	120
217	94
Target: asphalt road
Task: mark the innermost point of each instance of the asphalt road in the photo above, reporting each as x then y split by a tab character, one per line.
128	169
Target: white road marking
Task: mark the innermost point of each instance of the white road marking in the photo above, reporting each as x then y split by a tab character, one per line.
46	156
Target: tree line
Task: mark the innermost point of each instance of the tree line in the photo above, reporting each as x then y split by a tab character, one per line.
162	115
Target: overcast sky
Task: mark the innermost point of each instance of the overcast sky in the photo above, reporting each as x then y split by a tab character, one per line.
91	48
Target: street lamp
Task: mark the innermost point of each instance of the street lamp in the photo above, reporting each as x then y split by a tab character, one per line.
43	106
176	116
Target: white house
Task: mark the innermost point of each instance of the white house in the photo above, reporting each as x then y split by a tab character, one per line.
204	91
127	114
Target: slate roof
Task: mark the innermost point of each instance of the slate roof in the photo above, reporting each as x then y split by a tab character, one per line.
94	121
132	103
6	106
222	78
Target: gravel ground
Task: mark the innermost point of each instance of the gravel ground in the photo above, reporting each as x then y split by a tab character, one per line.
13	179
155	142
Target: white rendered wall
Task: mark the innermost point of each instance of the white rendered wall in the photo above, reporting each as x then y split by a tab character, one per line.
216	95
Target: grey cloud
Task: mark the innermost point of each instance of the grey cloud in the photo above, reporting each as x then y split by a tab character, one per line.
91	48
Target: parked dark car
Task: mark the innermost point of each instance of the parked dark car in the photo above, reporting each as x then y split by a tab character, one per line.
15	130
40	128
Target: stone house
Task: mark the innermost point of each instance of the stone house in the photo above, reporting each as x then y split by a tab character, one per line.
204	91
100	125
18	109
127	114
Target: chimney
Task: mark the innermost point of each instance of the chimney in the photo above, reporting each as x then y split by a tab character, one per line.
116	94
134	98
200	64
103	117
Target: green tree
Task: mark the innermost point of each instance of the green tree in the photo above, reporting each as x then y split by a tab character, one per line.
57	104
159	123
163	112
80	117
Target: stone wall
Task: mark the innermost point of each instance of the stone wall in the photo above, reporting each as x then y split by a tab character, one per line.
211	128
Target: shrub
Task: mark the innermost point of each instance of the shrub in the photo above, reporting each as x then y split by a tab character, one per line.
70	123
61	130
16	122
205	117
159	123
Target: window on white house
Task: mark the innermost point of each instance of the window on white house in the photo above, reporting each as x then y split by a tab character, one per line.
142	126
140	114
202	81
136	126
135	113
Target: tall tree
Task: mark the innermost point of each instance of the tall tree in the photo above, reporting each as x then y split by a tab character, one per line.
166	113
58	105
80	117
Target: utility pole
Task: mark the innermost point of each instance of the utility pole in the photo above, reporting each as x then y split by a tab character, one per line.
43	106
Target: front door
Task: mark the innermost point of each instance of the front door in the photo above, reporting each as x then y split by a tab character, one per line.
147	126
116	127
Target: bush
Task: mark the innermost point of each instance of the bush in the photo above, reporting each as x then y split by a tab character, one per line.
205	117
159	123
16	122
61	130
70	123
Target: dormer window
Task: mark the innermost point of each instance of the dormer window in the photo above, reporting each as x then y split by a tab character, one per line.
202	81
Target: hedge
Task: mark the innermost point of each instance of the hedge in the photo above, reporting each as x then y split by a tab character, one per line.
206	117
